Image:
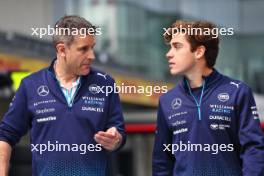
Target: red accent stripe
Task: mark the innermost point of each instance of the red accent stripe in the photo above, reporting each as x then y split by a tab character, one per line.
262	126
140	128
149	128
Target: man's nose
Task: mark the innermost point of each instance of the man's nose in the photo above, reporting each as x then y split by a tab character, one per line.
169	54
91	55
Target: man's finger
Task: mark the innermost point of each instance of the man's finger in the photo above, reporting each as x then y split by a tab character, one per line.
112	130
104	138
106	134
103	143
108	146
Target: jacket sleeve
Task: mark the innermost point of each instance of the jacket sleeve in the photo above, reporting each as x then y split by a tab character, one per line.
162	161
16	121
251	136
115	116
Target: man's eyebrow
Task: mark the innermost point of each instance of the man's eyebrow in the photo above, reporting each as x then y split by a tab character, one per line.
85	46
176	43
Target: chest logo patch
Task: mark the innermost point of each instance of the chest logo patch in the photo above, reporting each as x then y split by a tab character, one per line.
176	103
43	91
214	126
223	97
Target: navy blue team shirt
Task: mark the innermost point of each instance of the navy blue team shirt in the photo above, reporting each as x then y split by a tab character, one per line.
214	130
40	106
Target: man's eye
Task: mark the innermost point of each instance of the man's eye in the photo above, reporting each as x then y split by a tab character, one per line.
84	49
177	46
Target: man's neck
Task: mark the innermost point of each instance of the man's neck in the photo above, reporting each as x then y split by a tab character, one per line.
195	78
63	75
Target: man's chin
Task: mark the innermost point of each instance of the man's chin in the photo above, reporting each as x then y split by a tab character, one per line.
174	72
85	72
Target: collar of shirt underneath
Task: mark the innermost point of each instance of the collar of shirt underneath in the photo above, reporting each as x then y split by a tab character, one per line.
69	94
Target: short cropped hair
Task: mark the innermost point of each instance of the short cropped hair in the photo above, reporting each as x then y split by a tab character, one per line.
67	25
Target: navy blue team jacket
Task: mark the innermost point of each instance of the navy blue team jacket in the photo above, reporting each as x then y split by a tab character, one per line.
40	105
218	134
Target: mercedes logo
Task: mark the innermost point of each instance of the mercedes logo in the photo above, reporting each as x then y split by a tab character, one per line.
176	103
43	91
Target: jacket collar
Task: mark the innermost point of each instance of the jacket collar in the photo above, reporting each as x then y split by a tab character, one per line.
210	80
54	84
82	80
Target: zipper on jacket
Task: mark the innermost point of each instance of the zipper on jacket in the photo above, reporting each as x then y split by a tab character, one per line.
198	104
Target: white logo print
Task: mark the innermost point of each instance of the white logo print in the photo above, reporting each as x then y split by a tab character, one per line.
182	130
254	112
43	91
94	89
176	103
236	84
214	126
223	97
100	74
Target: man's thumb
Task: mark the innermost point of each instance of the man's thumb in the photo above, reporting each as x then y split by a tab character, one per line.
112	130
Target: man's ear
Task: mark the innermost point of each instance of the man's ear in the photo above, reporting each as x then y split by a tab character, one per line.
61	49
199	52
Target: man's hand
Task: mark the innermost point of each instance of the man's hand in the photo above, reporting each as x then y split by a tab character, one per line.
110	140
5	153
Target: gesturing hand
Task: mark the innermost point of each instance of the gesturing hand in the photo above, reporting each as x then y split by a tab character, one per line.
110	139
